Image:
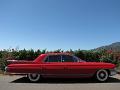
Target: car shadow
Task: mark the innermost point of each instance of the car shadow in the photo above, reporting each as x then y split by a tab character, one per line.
65	81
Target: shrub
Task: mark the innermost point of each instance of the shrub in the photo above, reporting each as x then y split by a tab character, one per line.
3	64
88	55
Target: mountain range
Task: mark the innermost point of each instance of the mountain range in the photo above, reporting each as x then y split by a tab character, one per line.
115	47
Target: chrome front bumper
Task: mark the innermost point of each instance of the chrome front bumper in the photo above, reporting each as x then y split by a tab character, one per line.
113	72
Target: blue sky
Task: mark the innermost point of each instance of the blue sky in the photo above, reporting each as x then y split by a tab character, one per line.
59	24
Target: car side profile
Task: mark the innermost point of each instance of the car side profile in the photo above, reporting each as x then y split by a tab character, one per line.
61	65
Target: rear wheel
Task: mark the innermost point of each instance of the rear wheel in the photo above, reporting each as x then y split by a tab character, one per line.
33	77
102	75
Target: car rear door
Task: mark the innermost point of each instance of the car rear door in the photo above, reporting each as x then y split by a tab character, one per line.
53	66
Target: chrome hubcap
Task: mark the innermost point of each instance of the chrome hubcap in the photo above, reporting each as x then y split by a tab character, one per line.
102	75
34	75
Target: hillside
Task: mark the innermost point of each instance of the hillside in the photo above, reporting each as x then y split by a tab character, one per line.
115	47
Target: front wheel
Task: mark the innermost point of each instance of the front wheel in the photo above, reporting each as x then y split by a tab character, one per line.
102	75
33	77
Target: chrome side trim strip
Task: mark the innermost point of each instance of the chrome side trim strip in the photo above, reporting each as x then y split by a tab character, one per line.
68	74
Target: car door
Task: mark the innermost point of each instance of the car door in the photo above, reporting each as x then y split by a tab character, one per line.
53	66
73	67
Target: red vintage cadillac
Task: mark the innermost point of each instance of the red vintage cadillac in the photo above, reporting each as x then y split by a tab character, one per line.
61	65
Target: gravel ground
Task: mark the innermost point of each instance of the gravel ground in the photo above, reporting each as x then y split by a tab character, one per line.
21	83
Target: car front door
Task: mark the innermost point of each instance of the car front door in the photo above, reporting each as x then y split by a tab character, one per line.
73	67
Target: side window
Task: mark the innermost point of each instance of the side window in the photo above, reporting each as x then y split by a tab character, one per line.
76	59
53	58
67	58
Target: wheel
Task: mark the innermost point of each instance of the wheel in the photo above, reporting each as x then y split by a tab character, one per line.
33	77
102	75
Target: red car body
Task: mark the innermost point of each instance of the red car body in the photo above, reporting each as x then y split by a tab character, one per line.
61	68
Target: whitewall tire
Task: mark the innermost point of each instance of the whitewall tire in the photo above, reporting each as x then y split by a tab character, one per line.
102	75
33	77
